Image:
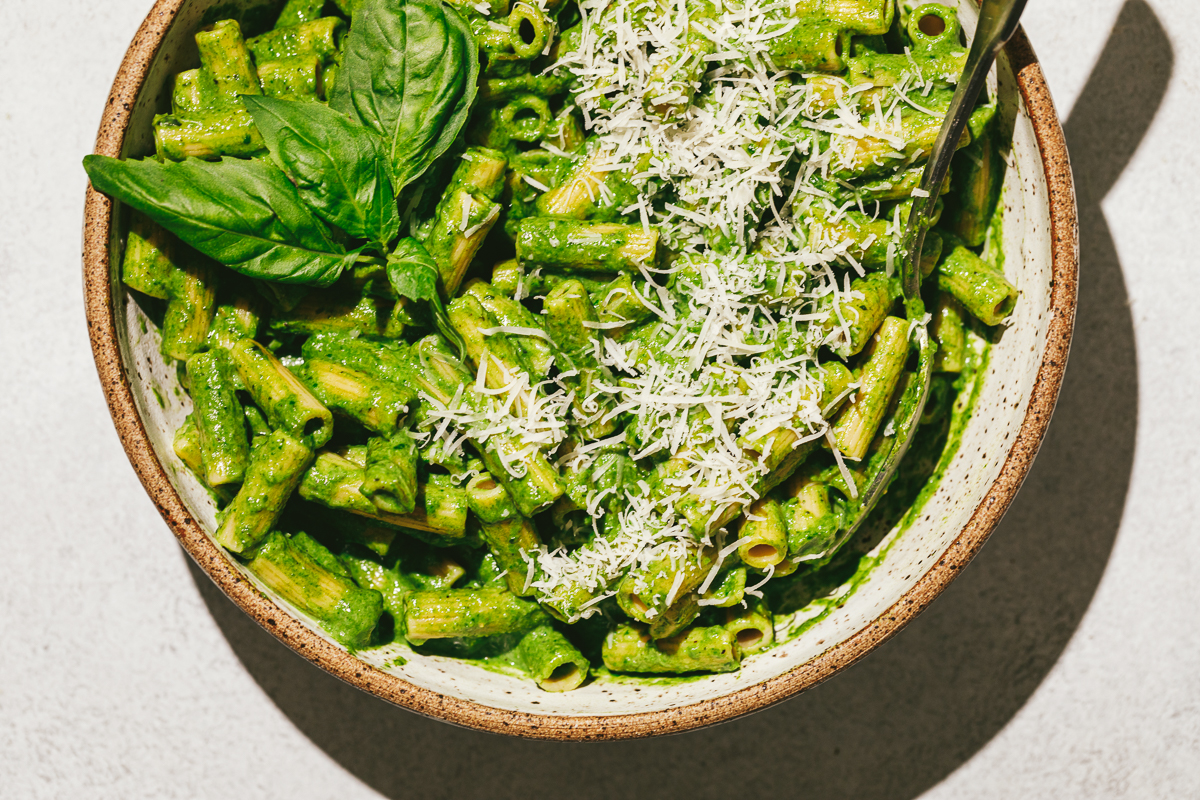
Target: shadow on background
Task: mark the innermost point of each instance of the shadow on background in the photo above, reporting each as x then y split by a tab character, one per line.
911	713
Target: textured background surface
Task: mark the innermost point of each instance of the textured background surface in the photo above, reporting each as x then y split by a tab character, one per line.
1064	663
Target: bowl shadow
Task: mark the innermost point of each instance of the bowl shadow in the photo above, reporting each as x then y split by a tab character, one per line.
914	711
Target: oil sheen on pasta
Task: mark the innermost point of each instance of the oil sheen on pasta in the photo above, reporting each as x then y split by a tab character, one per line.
598	334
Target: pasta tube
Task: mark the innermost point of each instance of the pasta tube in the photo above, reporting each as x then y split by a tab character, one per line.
190	309
981	288
532	481
629	648
296	78
647	592
207	134
236	318
534	348
812	45
149	263
765	534
856	424
811	523
390	473
487	348
343	312
296	12
376	405
551	660
674	80
863	310
320	37
186	444
728	590
392	585
488	500
480	169
463	221
337	482
573	324
288	404
193	90
219	419
348	613
951	336
592	246
455	613
275	469
531	30
224	56
752	627
510	540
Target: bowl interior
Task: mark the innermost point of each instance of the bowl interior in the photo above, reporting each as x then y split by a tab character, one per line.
1001	410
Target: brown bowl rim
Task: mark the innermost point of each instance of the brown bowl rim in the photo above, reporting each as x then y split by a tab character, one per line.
102	329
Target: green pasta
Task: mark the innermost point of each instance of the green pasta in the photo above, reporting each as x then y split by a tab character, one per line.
980	287
288	404
193	90
149	265
344	609
276	466
296	78
629	648
600	246
552	661
752	627
320	37
224	56
571	349
207	134
220	421
453	613
856	424
764	535
376	405
191	304
390	473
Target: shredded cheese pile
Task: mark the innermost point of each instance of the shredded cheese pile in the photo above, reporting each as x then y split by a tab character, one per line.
731	180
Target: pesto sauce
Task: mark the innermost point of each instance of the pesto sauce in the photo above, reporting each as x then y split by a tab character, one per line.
830	587
930	454
602	674
807	598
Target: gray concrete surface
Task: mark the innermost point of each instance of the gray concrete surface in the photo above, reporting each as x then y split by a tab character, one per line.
1064	663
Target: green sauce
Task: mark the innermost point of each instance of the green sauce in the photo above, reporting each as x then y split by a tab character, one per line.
806	598
573	228
812	598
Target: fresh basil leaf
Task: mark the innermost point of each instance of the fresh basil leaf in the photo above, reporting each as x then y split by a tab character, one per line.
338	166
461	52
413	273
408	72
243	213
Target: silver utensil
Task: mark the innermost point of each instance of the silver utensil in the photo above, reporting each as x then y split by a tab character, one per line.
997	23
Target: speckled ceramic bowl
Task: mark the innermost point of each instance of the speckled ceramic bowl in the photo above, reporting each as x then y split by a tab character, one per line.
1020	389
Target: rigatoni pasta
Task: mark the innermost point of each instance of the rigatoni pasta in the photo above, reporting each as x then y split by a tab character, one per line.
573	346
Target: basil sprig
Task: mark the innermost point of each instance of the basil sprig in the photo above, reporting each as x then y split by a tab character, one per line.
336	164
245	214
400	101
408	72
413	273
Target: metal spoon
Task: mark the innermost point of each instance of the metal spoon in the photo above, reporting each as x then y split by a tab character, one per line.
997	23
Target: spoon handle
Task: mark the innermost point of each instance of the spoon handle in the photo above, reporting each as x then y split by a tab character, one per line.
997	23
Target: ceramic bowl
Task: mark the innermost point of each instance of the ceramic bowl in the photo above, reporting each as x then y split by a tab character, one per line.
1020	389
